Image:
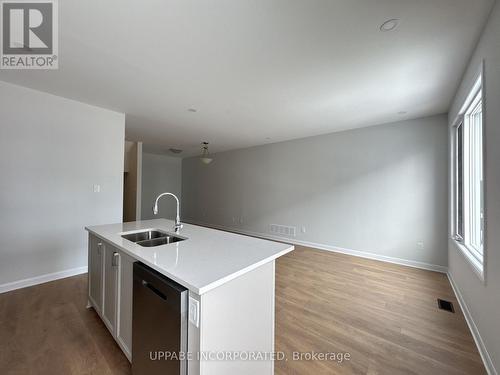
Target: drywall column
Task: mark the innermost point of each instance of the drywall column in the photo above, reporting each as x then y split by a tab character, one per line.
138	200
130	183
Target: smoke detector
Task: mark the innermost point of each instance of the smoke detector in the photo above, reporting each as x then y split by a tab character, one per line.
389	25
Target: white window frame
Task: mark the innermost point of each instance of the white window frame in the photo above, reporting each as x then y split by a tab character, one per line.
474	253
458	237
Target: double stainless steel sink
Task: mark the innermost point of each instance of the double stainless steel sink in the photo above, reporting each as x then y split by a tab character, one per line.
151	238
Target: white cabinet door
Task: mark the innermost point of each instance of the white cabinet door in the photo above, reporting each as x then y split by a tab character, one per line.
110	287
95	272
111	281
125	288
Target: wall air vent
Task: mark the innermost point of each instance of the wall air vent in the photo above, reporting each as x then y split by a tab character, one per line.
446	305
282	230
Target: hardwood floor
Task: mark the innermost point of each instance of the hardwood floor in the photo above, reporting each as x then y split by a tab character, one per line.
385	316
46	329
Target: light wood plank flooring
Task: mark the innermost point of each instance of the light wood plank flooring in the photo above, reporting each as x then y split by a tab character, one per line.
46	330
383	315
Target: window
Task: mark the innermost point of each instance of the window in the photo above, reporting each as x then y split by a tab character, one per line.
468	199
459	196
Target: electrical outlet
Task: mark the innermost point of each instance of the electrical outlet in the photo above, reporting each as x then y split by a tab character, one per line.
97	188
420	245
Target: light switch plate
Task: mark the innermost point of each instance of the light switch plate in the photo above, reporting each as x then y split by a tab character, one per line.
194	311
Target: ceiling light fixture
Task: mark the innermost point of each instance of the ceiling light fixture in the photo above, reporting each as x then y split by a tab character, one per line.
175	150
389	25
205	155
194	110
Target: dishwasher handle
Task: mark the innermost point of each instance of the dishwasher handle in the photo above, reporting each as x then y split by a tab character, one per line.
154	290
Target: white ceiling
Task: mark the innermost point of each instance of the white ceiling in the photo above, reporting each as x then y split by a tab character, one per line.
259	71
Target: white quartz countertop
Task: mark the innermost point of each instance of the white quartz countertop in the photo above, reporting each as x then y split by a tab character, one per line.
207	258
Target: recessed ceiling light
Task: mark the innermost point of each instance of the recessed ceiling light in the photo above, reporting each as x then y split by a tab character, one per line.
389	25
402	113
175	150
192	110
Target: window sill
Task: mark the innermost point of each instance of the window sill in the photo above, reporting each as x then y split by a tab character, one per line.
477	267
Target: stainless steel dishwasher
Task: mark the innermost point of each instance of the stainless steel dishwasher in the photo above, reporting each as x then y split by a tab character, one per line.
159	325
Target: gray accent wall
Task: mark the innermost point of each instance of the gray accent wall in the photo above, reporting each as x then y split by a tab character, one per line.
52	153
482	300
160	173
380	190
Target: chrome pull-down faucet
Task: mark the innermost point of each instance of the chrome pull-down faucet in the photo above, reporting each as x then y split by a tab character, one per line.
177	224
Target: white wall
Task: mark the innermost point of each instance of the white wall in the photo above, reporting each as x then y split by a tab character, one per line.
380	189
483	300
52	151
160	173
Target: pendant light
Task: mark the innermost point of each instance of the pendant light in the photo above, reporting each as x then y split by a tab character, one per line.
205	155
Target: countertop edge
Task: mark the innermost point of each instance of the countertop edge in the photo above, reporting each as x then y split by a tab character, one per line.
192	288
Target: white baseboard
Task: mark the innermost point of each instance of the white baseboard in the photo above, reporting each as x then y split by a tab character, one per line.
488	363
7	287
336	249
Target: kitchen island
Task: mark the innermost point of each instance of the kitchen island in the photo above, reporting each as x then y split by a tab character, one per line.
230	279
